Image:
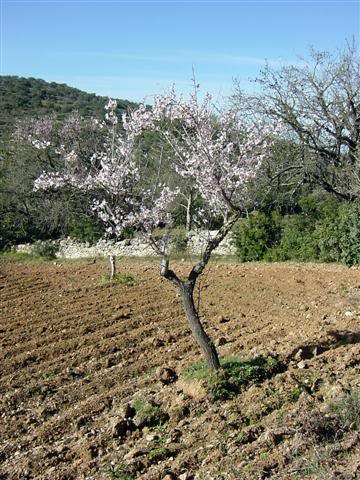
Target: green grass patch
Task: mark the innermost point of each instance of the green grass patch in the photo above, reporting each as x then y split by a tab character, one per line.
9	256
235	374
162	453
294	395
149	414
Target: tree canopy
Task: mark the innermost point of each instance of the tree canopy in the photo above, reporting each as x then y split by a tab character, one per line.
317	100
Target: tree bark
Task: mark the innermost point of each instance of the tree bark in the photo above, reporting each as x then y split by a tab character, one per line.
189	212
186	289
112	260
204	341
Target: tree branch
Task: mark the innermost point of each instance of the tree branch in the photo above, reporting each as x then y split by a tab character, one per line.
211	245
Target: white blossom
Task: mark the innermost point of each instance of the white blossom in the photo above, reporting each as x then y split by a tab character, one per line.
215	150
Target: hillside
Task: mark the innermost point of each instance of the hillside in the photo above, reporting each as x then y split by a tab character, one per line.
33	97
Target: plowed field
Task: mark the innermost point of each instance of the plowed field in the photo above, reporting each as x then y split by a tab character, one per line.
73	350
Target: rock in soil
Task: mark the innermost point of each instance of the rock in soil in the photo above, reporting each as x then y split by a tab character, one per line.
167	375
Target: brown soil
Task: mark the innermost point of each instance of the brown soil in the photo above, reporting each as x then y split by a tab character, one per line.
75	350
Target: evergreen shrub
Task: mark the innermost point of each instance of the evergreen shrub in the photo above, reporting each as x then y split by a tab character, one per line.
323	229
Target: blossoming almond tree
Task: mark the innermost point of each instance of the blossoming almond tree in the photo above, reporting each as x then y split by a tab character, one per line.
214	150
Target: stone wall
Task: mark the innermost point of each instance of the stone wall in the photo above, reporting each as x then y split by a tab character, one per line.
136	247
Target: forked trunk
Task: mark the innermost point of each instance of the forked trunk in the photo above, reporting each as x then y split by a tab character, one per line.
204	341
186	289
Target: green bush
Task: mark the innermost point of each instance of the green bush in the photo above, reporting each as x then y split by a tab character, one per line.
349	233
178	240
318	206
311	234
13	227
297	242
256	235
323	230
119	472
86	230
338	235
326	236
10	256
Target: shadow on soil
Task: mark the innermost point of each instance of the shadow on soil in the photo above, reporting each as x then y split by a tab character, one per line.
338	339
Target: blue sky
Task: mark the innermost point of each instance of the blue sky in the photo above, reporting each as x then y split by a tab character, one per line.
134	49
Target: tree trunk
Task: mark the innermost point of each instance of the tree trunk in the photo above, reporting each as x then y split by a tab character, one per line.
204	341
189	213
112	260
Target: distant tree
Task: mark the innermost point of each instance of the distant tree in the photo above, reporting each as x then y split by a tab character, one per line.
217	152
35	146
318	103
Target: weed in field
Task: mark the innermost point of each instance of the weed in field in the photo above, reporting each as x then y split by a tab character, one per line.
40	391
323	430
248	421
340	417
264	456
276	399
119	278
234	375
119	472
50	374
149	414
160	428
294	395
316	464
159	441
321	427
347	410
162	453
239	438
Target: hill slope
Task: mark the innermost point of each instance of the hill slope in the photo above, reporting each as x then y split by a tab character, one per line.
33	97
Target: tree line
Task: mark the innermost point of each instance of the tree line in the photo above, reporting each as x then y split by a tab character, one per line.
316	102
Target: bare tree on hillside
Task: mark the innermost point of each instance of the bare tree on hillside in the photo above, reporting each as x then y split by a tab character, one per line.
318	103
